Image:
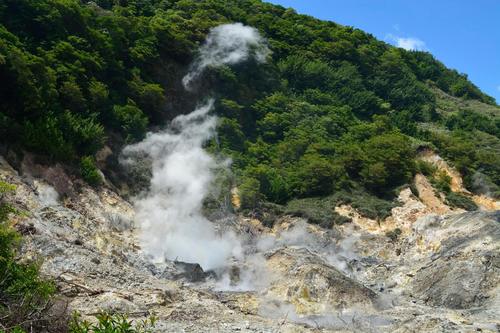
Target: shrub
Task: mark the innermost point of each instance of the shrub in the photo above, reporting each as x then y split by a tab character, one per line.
425	168
62	136
388	162
442	182
150	97
316	211
373	207
46	136
131	120
393	234
231	134
322	210
272	185
461	201
85	134
315	176
107	323
89	171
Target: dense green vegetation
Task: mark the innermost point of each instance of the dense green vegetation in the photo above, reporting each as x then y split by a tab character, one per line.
333	109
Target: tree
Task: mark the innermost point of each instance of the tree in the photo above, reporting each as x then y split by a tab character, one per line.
389	162
249	191
131	120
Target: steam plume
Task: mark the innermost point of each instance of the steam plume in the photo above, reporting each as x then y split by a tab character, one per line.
47	195
172	225
227	44
170	217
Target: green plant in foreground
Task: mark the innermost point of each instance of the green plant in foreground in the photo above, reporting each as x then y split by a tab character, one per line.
111	323
24	295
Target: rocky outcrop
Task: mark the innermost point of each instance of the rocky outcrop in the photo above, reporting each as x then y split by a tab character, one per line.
456	184
463	271
429	197
305	280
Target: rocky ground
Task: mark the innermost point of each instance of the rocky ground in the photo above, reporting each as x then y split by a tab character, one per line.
427	268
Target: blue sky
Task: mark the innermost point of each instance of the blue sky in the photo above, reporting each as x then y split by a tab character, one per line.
463	34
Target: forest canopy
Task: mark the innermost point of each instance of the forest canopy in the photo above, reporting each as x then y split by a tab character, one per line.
332	109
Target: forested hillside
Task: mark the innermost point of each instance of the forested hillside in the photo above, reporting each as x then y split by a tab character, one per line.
332	110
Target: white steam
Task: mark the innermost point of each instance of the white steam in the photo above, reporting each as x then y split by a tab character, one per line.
170	213
482	184
253	273
172	224
47	195
227	44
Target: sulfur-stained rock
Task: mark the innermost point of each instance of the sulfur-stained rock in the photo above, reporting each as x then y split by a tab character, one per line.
313	286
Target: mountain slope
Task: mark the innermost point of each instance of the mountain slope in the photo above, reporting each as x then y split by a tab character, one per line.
333	109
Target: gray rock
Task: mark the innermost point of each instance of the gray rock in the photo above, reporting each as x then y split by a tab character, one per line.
465	270
191	272
441	275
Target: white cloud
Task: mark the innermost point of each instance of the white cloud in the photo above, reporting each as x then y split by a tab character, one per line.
407	43
410	43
